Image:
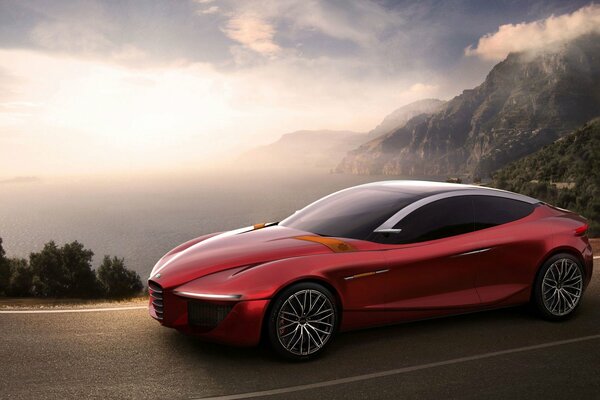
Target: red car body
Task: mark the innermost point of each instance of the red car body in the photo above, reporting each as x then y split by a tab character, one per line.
234	276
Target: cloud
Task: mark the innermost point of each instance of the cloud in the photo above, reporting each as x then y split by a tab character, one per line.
85	39
358	21
538	34
209	10
252	32
70	37
422	89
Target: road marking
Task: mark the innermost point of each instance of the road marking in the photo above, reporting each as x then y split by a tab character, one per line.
358	378
72	311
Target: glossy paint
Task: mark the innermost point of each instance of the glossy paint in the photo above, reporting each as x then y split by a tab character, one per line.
374	284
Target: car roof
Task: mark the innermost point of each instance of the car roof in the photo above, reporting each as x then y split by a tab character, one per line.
426	192
423	189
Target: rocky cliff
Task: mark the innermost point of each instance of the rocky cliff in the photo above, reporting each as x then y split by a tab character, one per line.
526	101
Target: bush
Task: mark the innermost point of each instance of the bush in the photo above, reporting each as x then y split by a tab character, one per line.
81	278
5	271
22	278
66	272
63	271
116	280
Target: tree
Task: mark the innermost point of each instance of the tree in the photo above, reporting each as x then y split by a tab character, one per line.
81	278
5	271
22	278
118	281
63	271
66	272
48	268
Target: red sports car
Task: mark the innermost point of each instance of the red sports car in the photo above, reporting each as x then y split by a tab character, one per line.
374	254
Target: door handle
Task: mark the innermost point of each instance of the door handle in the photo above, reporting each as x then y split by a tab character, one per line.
473	252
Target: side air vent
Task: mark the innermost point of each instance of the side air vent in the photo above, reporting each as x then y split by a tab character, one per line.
206	315
156	294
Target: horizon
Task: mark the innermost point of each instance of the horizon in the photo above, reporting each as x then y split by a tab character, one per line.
90	91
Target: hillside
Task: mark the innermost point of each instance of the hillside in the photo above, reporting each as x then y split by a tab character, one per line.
399	117
303	149
526	101
565	173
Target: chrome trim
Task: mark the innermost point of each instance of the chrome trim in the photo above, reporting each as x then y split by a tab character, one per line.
208	296
157	303
393	220
365	274
156	296
388	230
473	252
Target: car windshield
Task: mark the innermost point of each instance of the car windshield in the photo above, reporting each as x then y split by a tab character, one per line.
352	213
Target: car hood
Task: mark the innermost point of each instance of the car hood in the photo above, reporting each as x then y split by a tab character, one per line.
242	247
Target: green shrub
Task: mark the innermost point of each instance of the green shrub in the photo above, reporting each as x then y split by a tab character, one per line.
66	272
116	280
5	271
22	278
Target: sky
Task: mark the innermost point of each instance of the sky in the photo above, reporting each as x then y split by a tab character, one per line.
93	87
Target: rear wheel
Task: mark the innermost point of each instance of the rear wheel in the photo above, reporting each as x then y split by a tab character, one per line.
302	321
558	287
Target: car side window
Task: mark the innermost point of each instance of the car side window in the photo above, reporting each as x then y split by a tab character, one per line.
442	218
490	211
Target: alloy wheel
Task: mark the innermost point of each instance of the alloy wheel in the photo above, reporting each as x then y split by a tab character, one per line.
562	287
305	322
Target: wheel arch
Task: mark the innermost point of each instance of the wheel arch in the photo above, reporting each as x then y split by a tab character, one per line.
557	250
562	249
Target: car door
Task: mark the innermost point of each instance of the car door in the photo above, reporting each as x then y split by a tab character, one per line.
432	265
510	252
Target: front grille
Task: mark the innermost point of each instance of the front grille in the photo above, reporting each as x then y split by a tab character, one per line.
156	294
207	315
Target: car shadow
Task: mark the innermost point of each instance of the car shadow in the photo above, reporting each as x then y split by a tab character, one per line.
236	370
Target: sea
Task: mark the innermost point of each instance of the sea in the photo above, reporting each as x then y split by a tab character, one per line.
140	218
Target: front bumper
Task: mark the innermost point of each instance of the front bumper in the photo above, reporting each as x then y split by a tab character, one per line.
239	322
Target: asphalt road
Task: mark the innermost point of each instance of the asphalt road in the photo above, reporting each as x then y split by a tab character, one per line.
125	354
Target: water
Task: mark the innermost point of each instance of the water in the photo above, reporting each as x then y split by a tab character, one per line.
140	219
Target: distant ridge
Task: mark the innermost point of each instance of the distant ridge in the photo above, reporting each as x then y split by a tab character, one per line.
21	179
325	148
303	149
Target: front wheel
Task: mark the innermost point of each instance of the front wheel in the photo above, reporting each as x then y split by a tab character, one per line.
558	287
302	321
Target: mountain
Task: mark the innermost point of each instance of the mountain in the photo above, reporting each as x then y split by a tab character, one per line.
526	101
402	115
565	173
304	149
325	148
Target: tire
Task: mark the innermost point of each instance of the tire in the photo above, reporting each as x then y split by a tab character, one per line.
558	287
302	321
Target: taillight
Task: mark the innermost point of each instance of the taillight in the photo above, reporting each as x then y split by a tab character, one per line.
581	230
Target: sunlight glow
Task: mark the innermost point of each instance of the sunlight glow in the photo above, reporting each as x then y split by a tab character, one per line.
70	115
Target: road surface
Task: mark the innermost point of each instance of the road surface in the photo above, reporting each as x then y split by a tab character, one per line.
124	354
